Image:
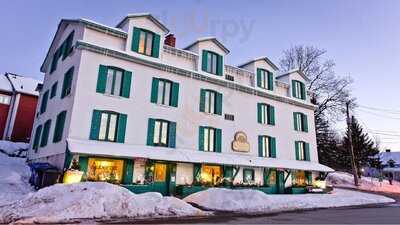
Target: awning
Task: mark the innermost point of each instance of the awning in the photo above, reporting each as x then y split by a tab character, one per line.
187	155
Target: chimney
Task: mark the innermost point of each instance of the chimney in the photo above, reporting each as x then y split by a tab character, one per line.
170	40
387	150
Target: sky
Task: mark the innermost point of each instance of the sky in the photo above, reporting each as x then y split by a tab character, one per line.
361	36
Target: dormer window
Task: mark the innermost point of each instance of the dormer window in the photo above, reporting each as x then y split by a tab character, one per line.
212	63
145	42
265	79
298	89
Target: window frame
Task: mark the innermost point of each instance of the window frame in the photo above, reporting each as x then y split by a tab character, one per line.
302	150
146	33
107	131
210	105
298	89
266	146
161	100
245	171
5	99
207	142
266	118
114	80
163	124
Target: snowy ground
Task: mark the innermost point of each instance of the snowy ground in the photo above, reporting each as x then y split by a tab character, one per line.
14	148
346	180
256	202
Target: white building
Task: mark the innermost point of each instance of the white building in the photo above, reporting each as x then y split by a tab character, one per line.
134	109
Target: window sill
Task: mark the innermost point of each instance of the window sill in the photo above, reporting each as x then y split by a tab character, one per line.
211	114
165	106
266	125
113	96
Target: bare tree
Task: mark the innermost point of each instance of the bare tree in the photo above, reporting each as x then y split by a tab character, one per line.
329	91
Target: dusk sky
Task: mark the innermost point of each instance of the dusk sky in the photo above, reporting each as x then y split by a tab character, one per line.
361	36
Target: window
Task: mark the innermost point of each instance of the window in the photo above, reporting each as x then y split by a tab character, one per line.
5	99
210	102
298	90
64	50
53	91
265	114
299	178
59	127
108	126
67	84
37	137
266	146
161	133
103	169
265	79
302	151
43	105
211	175
114	81
160	172
45	135
145	42
248	176
209	139
212	62
164	92
300	122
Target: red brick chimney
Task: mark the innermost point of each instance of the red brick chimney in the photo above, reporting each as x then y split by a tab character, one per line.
170	40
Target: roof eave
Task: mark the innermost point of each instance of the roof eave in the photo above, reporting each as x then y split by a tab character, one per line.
148	15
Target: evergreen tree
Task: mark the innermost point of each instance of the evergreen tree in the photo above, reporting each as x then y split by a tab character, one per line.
365	150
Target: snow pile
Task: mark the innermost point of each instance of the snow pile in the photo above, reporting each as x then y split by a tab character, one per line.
342	179
66	202
14	176
256	202
18	149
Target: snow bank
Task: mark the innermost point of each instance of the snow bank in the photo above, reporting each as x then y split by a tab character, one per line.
14	148
14	176
65	202
256	202
342	179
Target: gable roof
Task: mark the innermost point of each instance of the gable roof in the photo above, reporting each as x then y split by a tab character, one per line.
287	73
265	58
147	15
21	84
213	39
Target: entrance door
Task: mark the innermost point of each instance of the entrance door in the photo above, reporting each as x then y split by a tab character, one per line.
280	181
160	178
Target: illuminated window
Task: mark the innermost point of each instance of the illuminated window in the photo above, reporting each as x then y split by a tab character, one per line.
5	99
160	171
109	170
211	174
299	178
108	126
145	42
272	177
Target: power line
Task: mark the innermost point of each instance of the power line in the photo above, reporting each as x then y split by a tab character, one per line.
393	111
379	115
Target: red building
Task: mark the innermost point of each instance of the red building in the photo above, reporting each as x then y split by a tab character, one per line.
18	100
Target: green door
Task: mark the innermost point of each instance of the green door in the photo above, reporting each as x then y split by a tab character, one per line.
280	181
160	178
171	179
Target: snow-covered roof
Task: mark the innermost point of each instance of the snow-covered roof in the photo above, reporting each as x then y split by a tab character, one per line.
5	84
147	15
296	70
213	39
23	84
386	156
188	155
265	58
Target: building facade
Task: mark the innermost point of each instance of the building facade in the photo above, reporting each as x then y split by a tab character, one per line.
131	108
18	100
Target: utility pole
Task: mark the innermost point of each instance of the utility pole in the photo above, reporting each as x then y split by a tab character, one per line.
349	136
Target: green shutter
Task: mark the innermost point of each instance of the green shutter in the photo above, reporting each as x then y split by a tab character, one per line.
95	127
307	151
156	46
45	98
270	81
305	123
202	100
83	164
201	138
294	89
218	140
68	45
102	79
272	144
259	74
128	171
218	100
295	121
175	94
260	146
37	137
296	146
204	61
266	174
53	90
150	132
154	90
271	115
135	39
126	84
220	65
228	171
196	172
259	112
45	135
59	128
303	91
122	120
309	177
172	135
66	88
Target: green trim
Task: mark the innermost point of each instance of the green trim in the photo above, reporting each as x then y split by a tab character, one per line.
43	105
45	135
53	91
67	84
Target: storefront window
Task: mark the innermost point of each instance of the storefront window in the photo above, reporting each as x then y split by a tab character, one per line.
109	170
272	177
211	175
160	170
248	176
299	178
